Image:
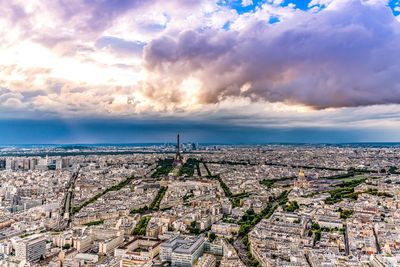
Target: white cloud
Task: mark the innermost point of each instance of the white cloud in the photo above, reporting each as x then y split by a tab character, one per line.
246	3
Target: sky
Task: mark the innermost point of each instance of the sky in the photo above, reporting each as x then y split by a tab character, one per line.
230	71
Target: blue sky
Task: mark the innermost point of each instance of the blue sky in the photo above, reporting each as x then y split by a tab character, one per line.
240	8
395	6
299	4
247	71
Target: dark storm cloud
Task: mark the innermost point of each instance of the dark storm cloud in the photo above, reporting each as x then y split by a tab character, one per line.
346	55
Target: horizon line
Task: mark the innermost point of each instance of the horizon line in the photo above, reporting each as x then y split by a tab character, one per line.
200	143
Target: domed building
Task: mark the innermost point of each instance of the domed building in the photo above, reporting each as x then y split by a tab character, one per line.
301	181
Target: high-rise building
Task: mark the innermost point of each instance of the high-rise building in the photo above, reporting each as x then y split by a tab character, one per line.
10	164
30	248
33	162
62	163
43	163
2	164
194	146
26	164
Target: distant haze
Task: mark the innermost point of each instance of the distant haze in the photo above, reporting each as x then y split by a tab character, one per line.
100	131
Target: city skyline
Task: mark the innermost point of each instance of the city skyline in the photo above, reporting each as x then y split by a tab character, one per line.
314	71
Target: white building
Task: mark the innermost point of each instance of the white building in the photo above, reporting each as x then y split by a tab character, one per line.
182	251
30	248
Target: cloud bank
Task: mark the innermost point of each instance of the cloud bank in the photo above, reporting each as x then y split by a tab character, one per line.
247	63
345	55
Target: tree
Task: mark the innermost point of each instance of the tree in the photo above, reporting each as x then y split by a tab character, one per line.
194	229
315	226
212	236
